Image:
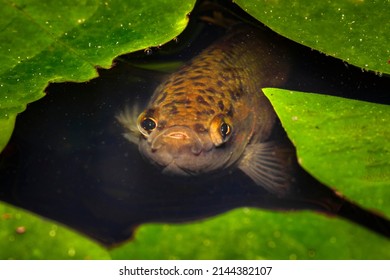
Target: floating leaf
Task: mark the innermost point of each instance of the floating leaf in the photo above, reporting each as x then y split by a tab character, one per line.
343	143
354	31
253	234
27	236
44	42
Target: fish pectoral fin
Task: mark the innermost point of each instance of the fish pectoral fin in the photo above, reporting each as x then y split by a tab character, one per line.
268	166
128	119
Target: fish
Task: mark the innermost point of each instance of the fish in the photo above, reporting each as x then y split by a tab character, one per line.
211	116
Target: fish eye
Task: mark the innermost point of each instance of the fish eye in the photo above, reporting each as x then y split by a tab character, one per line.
148	124
225	130
220	129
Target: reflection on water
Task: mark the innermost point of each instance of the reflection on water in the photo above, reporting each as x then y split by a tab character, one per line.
68	161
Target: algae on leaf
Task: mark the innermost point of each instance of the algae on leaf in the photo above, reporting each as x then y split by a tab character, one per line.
42	42
344	143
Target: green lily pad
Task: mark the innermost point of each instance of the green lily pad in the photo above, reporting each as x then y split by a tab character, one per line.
343	143
239	234
27	236
354	31
254	234
42	42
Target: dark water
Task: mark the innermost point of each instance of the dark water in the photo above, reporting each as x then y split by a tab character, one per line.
68	161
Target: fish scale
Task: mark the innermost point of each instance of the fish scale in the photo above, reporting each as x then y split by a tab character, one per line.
212	83
193	97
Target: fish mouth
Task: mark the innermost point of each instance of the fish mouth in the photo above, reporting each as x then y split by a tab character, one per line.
179	150
177	135
176	139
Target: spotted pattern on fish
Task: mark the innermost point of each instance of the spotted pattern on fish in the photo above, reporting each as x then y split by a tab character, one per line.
211	114
214	82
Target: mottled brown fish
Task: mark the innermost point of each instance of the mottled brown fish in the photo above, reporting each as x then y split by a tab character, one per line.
211	114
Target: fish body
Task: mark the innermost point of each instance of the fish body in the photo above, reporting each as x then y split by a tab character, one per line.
211	115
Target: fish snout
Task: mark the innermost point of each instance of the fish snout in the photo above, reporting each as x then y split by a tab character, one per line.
177	140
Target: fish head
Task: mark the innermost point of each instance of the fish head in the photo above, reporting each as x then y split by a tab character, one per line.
184	146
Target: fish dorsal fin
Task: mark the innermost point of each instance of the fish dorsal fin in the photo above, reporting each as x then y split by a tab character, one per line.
128	119
268	166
